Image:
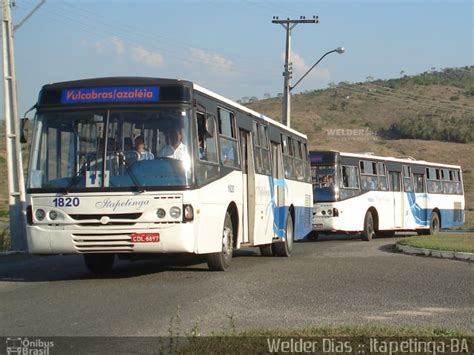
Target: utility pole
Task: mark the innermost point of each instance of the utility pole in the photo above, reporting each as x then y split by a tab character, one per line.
288	25
16	182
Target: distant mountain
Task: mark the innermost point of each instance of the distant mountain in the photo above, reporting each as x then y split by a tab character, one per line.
437	105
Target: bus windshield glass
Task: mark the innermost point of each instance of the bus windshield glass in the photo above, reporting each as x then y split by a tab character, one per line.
110	149
324	182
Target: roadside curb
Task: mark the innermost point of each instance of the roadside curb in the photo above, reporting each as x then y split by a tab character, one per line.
407	249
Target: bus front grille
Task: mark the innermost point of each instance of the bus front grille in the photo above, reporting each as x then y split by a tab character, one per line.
86	243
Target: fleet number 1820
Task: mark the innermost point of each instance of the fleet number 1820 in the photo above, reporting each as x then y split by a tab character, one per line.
66	202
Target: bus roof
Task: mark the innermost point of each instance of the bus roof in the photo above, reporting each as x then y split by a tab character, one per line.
246	109
407	160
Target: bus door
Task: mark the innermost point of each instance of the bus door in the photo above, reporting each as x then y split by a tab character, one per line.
398	198
248	187
277	168
279	178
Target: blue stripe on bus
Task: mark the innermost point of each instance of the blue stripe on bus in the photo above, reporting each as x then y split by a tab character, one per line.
423	215
302	222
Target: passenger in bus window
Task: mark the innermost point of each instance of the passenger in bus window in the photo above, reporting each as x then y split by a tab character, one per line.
227	154
330	180
175	148
142	152
373	183
323	182
202	147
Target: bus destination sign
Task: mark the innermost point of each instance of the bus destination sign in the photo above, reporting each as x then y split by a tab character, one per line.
110	94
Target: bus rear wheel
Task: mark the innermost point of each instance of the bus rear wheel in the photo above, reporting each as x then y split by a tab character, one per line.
369	231
434	223
221	261
266	250
285	248
99	263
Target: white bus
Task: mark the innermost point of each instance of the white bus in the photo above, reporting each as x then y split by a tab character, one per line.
378	195
186	171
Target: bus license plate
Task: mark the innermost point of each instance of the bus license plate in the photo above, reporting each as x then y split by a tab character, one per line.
318	226
145	237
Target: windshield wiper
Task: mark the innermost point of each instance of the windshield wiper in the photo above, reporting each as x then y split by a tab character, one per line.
74	179
132	174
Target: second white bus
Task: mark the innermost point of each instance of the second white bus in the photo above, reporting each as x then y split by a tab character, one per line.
378	195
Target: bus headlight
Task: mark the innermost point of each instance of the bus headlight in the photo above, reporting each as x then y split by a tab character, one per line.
40	214
53	215
161	213
329	212
175	212
188	213
323	212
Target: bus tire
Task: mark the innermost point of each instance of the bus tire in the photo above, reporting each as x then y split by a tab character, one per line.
285	248
266	250
434	224
369	231
221	261
99	263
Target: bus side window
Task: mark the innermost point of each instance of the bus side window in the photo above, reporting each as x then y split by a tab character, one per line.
395	180
206	139
419	183
383	179
227	138
349	177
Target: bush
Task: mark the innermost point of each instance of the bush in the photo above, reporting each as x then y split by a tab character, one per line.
449	129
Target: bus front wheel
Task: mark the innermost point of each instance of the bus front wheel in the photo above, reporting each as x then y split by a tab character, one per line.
221	261
369	230
285	248
99	263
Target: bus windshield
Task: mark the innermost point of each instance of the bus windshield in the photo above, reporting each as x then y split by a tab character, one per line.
110	149
324	183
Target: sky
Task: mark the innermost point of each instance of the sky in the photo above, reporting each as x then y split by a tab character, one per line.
231	46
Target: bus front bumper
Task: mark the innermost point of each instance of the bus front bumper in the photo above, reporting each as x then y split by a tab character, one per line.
175	238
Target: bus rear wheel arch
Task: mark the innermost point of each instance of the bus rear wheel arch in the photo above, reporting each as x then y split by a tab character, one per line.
286	247
434	226
370	225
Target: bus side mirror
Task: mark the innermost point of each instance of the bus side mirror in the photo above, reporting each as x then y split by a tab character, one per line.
210	125
24	123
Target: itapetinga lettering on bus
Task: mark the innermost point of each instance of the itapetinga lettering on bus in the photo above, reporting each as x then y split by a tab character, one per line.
110	94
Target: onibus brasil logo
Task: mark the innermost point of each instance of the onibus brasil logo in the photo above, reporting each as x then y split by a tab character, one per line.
26	346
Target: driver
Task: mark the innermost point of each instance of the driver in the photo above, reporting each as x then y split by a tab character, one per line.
175	148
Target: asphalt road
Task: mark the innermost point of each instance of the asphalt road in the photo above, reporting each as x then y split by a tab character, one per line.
325	282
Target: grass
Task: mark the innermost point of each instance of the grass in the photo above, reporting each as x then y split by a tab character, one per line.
445	242
5	239
4	214
322	338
